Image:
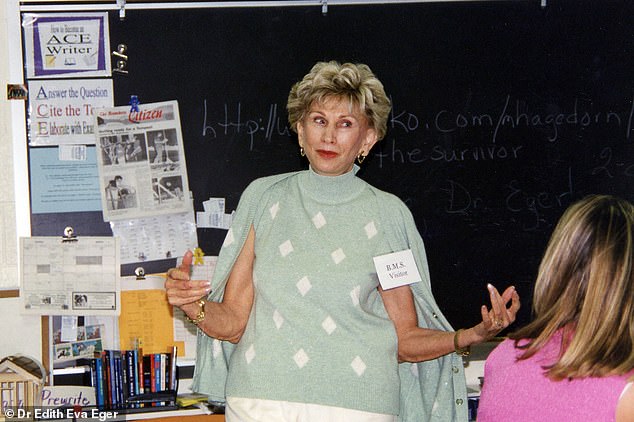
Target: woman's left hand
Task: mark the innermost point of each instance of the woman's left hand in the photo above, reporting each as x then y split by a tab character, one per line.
501	314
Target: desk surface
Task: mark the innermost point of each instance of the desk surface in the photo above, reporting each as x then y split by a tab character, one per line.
190	415
192	418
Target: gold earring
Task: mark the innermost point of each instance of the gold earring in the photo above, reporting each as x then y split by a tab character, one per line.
301	151
361	158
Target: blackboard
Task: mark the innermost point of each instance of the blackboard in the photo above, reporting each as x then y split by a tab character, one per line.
503	114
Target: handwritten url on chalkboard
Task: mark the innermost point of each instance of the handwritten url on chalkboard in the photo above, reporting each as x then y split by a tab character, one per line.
552	156
515	114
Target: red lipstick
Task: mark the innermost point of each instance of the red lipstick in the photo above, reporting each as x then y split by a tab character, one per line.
326	154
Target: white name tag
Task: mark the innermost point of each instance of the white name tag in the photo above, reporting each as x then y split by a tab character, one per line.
396	269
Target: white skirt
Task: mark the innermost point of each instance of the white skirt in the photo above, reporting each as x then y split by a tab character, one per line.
240	409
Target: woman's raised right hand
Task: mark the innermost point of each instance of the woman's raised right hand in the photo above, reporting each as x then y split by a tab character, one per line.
179	287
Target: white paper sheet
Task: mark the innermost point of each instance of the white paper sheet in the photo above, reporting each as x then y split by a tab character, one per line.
70	277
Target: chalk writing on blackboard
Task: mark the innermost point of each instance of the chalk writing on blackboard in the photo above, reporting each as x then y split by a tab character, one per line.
612	166
233	122
420	138
515	114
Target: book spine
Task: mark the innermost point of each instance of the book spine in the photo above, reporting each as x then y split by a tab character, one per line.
152	373
141	370
93	374
93	377
100	383
109	370
147	374
168	364
154	365
157	375
129	375
135	370
162	372
118	380
173	375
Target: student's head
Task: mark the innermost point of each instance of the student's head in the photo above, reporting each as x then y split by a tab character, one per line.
586	283
353	82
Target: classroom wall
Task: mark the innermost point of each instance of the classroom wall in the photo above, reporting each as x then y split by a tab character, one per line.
7	203
18	334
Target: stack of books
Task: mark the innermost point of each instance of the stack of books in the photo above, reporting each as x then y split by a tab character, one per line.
131	380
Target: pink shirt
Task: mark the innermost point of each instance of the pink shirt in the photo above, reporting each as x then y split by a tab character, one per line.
518	390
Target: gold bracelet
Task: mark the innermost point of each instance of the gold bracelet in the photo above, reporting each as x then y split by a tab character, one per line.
461	351
200	316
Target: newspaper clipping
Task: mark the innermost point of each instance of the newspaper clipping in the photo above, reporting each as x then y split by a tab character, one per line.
141	161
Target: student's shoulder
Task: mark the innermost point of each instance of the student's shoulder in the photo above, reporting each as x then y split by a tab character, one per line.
505	351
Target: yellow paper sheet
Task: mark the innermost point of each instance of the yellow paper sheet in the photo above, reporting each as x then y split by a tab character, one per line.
146	316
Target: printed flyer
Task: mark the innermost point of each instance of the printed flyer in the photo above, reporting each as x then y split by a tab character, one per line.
61	111
63	45
141	161
59	185
79	276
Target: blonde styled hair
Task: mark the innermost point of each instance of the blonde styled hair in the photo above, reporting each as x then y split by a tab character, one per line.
585	287
332	79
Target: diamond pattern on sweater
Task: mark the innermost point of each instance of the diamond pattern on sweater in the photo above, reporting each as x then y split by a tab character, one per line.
435	406
414	370
358	366
278	319
354	295
370	230
216	348
329	325
304	285
274	209
301	358
286	248
338	256
319	220
249	355
229	239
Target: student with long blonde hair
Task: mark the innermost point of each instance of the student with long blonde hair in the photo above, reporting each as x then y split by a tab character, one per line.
575	360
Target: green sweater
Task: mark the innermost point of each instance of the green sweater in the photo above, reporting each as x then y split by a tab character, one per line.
318	331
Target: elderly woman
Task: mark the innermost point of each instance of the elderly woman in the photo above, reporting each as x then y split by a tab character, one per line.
295	324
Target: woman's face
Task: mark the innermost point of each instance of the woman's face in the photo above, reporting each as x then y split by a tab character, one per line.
333	134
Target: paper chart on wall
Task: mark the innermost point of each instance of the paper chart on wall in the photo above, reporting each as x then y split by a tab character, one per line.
141	161
70	277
